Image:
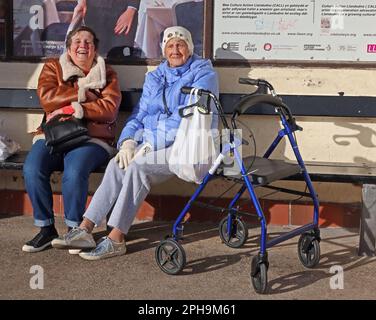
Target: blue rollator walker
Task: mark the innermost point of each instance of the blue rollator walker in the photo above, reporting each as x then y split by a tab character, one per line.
254	172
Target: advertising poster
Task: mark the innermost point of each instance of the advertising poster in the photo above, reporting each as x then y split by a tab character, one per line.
125	28
2	26
306	30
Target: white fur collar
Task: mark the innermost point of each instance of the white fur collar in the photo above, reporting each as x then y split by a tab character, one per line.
96	78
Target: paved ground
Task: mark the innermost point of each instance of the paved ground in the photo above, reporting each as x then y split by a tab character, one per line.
213	270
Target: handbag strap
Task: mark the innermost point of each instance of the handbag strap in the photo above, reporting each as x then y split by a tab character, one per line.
165	100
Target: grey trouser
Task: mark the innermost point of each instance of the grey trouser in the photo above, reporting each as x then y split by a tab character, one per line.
125	190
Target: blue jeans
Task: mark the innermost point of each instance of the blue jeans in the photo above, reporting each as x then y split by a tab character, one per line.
76	164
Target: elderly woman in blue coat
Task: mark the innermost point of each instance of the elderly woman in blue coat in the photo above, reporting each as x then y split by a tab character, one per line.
148	135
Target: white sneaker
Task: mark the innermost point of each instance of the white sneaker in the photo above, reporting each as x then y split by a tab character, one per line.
105	249
74	251
77	238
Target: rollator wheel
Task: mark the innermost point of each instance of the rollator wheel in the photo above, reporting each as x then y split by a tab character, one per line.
238	235
259	276
170	256
308	250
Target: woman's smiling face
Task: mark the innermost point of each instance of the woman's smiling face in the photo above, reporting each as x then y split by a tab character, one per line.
82	50
176	52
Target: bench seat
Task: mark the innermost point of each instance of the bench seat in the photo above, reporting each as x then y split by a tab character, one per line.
16	162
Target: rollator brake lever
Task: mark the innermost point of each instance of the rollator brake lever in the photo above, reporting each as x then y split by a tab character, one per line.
294	126
245	142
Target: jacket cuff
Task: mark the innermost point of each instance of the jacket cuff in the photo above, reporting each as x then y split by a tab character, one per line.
120	141
78	110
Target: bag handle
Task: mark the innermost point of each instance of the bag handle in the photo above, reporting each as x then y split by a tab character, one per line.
187	111
201	105
194	92
58	117
44	120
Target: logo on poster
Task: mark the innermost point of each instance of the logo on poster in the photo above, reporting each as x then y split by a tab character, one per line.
371	48
231	46
268	47
250	47
314	47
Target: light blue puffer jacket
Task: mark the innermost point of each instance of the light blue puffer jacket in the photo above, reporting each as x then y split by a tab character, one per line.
149	121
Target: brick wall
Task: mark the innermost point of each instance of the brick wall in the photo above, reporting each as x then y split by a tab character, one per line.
167	208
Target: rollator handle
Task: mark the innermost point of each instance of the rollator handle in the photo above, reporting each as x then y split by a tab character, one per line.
258	82
252	82
206	94
187	90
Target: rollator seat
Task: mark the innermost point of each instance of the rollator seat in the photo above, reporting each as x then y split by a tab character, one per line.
262	171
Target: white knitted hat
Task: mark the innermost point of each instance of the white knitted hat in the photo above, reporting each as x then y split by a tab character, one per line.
180	33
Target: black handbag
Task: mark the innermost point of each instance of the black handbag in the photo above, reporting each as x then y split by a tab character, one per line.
64	132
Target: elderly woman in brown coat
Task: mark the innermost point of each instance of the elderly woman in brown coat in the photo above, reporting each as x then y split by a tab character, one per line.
81	84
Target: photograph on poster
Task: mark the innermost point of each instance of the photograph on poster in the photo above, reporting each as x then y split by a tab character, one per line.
304	30
126	28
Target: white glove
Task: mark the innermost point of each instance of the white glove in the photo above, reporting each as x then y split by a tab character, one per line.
126	153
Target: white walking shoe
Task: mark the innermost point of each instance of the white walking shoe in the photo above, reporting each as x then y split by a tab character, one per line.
105	249
74	251
77	238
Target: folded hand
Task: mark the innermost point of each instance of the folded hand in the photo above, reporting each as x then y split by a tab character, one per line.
126	153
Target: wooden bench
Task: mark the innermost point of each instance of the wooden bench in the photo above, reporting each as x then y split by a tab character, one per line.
334	106
363	175
360	174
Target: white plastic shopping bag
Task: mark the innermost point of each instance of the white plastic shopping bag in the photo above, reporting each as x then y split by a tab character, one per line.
193	151
7	147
